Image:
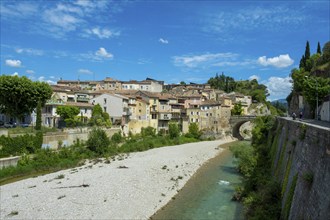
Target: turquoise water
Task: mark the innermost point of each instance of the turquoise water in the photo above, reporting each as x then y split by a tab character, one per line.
208	194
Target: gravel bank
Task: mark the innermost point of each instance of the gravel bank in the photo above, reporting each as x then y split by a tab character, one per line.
131	186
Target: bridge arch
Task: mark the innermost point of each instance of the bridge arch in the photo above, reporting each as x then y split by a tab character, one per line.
236	122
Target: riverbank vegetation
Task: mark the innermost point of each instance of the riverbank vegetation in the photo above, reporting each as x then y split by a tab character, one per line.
260	193
35	161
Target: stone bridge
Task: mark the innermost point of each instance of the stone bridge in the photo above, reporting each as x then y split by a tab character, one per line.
237	121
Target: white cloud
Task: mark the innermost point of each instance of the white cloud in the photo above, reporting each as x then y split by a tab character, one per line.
30	71
29	51
61	21
102	52
208	59
253	18
254	77
280	62
163	41
15	74
43	79
85	71
13	63
278	87
101	32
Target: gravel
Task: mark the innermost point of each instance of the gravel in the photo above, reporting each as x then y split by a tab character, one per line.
131	186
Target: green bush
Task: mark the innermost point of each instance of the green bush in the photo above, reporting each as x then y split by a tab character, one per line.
173	130
194	131
148	131
116	138
20	144
98	141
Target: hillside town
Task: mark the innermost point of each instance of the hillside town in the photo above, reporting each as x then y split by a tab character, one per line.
133	104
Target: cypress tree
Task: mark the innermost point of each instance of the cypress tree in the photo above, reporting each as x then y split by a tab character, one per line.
38	122
302	63
319	48
307	52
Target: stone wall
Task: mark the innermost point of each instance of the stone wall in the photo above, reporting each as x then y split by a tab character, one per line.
301	162
69	136
9	161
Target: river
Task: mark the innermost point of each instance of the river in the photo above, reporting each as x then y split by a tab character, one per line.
207	195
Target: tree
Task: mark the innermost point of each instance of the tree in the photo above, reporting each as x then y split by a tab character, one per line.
237	110
182	83
307	51
98	141
99	117
148	131
20	96
67	112
38	122
173	130
318	48
194	130
302	62
97	110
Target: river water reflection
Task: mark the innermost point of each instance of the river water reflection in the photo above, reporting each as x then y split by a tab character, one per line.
207	195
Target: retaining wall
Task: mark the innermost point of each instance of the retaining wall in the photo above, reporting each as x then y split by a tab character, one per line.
302	152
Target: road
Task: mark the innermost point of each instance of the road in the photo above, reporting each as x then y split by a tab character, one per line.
315	123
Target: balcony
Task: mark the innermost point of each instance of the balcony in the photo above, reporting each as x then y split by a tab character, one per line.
54	102
82	99
165	117
126	111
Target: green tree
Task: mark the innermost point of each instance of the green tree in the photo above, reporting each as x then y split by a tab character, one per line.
98	141
148	132
67	112
38	121
237	109
222	82
182	83
173	130
318	48
307	51
97	110
194	130
302	62
20	96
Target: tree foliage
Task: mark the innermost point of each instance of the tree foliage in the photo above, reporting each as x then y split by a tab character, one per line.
222	82
98	141
173	130
20	96
38	121
99	118
67	112
237	109
257	91
194	130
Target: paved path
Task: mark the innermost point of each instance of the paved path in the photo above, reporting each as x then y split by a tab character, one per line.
315	123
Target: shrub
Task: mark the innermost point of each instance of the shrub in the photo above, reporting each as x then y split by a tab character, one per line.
173	130
116	138
194	130
98	141
148	131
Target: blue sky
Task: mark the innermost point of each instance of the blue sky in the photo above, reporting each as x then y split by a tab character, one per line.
173	41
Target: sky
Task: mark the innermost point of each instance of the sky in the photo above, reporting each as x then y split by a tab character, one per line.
173	41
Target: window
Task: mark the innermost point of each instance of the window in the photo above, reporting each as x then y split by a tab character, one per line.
210	114
196	120
192	120
207	114
105	100
85	110
154	116
105	109
192	113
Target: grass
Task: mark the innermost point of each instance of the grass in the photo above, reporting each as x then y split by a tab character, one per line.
48	161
